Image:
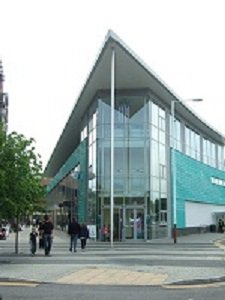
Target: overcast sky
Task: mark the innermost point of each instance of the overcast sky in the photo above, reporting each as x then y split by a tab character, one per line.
49	46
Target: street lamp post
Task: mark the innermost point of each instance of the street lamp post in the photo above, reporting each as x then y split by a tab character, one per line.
112	146
173	166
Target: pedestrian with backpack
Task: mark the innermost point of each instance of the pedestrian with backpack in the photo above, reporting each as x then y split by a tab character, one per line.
84	235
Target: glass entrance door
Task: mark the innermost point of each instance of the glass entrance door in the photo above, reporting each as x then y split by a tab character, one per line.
128	222
134	223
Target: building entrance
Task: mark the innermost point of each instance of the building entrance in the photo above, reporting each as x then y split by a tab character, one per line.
128	222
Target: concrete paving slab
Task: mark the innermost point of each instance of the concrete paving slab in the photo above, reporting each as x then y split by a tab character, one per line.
105	276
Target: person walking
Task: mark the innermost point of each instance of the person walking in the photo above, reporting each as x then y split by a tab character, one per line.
73	231
41	235
33	240
47	228
84	235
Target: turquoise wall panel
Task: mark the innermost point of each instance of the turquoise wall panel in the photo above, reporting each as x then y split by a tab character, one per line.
79	156
193	182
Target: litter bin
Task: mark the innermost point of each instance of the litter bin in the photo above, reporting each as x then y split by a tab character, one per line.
212	228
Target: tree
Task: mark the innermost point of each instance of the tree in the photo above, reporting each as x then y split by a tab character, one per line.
20	177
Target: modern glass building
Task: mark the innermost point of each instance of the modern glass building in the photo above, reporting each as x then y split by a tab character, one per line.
121	161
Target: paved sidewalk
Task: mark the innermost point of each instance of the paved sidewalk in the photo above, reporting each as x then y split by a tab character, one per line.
112	272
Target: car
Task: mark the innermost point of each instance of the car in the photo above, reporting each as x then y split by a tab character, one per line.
2	234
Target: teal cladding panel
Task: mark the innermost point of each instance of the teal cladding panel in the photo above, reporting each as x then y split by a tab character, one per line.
193	182
79	156
68	166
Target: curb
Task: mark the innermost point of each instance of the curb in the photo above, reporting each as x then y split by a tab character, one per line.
198	283
19	282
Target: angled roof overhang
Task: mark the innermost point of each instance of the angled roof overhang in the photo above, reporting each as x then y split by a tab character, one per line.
131	73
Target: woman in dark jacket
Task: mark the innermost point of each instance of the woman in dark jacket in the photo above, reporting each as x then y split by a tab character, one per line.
84	235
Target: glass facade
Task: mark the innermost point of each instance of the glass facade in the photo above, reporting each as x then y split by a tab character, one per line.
141	151
140	171
64	199
198	147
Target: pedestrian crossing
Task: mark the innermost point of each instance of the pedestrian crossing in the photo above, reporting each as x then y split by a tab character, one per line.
121	253
162	252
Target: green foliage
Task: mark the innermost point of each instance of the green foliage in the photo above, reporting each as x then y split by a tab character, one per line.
21	191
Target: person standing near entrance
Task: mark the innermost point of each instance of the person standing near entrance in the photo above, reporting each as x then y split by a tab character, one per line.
47	232
73	231
221	226
105	232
